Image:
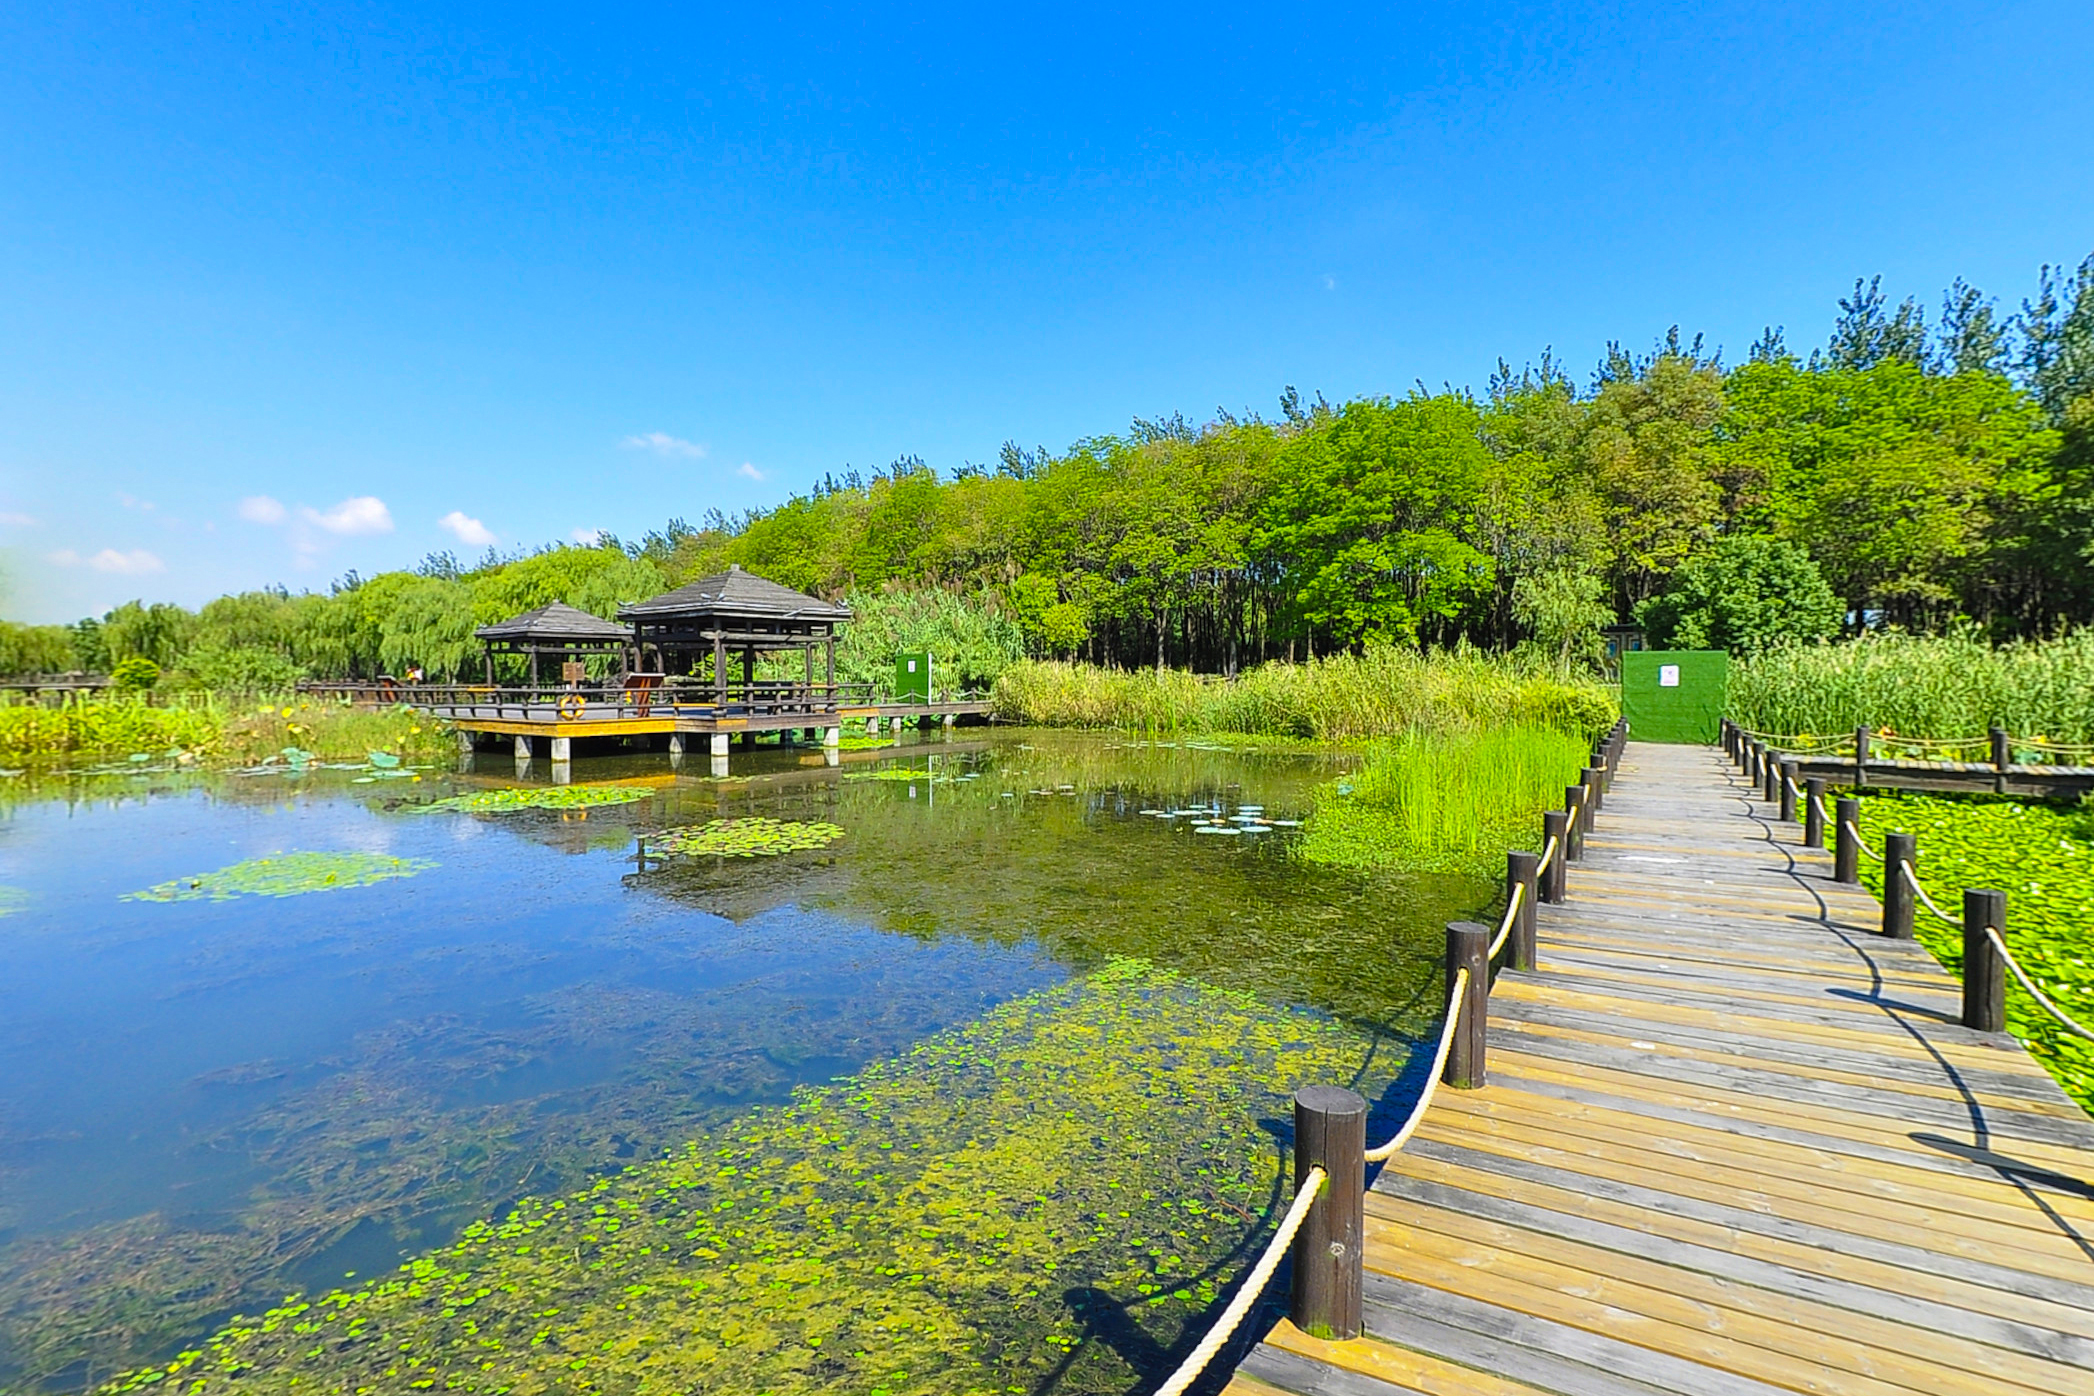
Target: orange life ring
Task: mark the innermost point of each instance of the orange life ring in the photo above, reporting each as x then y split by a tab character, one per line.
572	706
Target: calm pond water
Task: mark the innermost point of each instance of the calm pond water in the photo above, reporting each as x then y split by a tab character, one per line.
988	1094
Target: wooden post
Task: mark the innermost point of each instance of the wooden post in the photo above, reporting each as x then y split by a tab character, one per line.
1984	972
1330	1130
1861	757
1555	824
1846	842
1770	778
1574	834
1897	892
2002	758
1593	784
1468	947
1519	876
1814	812
1785	781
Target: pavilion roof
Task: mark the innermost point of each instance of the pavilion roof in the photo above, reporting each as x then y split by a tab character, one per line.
554	622
736	595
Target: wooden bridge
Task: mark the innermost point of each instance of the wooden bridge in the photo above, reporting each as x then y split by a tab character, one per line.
1733	1142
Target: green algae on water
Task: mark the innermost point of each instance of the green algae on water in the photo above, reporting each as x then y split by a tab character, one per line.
1046	1198
556	797
284	875
750	837
12	900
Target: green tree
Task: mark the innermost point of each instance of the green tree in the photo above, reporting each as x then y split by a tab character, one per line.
1562	611
1744	595
1646	447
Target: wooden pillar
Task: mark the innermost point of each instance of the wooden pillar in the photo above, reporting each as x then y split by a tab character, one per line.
1846	841
1592	792
1555	824
488	654
720	672
1330	1130
1814	812
1574	835
1898	849
534	666
808	653
1468	947
829	663
1520	877
1984	972
1770	778
1785	787
1861	757
2002	758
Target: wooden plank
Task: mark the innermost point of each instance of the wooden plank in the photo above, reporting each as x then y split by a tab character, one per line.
1403	1368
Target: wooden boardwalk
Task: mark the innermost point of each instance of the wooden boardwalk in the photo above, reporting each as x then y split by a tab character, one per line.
1733	1142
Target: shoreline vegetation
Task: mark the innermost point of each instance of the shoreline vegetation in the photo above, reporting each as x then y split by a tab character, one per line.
210	729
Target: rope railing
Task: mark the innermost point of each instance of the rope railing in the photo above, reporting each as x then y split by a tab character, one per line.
1247	1295
1512	909
1548	856
1912	881
1999	948
1859	846
1432	1083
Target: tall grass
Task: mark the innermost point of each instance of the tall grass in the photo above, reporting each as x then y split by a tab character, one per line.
209	727
1943	686
1385	692
1446	800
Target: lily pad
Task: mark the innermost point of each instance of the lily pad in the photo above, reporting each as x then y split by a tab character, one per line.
751	837
536	797
284	875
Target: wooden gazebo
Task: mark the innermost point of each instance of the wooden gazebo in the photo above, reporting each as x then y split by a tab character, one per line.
555	628
737	612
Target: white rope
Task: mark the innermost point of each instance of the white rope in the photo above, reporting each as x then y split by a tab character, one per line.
1912	881
2029	984
1512	907
1218	1336
1432	1082
1819	806
1547	856
1848	825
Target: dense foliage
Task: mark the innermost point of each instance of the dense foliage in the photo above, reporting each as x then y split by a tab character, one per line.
1948	686
1905	475
207	727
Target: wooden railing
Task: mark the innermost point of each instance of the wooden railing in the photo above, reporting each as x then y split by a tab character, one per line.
602	702
1325	1227
1999	762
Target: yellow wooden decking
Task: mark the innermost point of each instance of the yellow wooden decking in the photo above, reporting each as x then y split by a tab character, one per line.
1733	1143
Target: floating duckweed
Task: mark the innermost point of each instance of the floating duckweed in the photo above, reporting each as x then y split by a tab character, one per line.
285	875
750	837
957	1220
536	797
12	900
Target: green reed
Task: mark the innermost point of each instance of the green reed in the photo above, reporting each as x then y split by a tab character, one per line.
209	727
1384	692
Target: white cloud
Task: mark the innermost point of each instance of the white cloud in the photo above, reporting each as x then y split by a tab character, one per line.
9	519
749	471
135	563
362	514
663	444
132	501
468	531
587	537
261	509
1330	283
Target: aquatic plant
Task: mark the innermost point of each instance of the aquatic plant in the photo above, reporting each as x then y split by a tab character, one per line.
12	900
750	837
2042	857
211	728
556	797
1382	692
284	875
1940	687
1454	801
1051	1193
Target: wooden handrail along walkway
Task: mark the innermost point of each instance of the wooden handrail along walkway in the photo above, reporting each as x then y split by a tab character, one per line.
1733	1140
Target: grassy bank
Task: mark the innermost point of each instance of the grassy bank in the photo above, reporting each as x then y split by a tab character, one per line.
1921	687
1447	801
207	728
1384	692
2042	857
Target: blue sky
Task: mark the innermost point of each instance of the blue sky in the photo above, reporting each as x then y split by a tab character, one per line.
286	288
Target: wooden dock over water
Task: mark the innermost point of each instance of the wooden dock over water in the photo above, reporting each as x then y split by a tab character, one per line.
1733	1141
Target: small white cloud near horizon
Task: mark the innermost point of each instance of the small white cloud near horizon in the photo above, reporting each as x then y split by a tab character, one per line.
261	509
587	537
135	563
749	472
663	444
467	530
10	519
361	514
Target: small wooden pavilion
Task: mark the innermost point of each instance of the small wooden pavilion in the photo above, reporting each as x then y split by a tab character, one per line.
741	613
556	628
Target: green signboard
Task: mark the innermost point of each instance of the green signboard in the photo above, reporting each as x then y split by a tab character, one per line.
1674	695
912	678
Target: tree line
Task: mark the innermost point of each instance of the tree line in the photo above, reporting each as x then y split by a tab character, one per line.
1917	471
